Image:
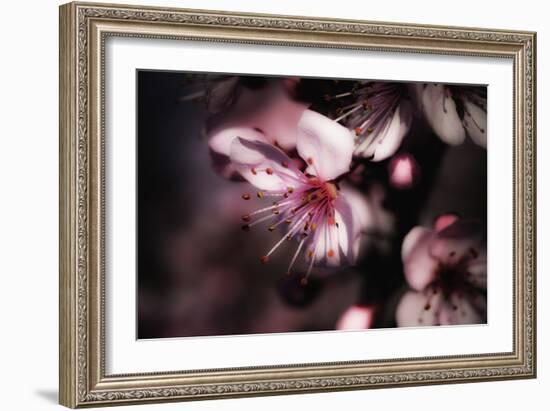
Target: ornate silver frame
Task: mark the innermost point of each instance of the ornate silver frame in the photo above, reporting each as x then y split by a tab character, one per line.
83	30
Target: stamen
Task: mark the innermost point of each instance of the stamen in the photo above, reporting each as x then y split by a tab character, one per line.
353	110
481	129
253	171
264	259
245	196
289	271
329	97
284	163
304	279
269	171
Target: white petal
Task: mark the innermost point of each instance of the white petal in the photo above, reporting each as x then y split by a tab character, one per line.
221	140
356	318
475	122
411	310
389	137
325	145
355	216
264	165
458	242
420	268
320	242
440	111
459	312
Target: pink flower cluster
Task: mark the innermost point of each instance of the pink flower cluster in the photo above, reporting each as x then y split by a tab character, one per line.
302	163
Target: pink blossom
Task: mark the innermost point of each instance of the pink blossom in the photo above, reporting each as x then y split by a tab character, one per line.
454	111
356	317
309	204
380	115
403	171
268	114
446	269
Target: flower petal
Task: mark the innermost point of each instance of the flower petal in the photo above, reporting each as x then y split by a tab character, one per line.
476	269
355	215
220	148
460	241
325	145
220	141
440	111
356	317
403	171
475	122
270	111
459	311
419	266
411	310
385	141
265	166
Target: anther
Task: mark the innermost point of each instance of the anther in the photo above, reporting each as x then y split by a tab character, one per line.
358	131
245	227
264	259
260	194
245	196
303	281
284	163
290	190
245	217
269	171
427	306
253	171
288	221
271	228
310	160
330	253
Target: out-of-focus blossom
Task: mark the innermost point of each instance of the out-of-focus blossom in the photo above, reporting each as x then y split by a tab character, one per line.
404	171
446	268
454	111
309	204
356	317
380	115
268	114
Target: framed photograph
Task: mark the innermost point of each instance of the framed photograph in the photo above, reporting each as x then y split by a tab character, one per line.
258	204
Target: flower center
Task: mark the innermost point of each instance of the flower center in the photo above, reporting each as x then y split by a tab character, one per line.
299	211
331	190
